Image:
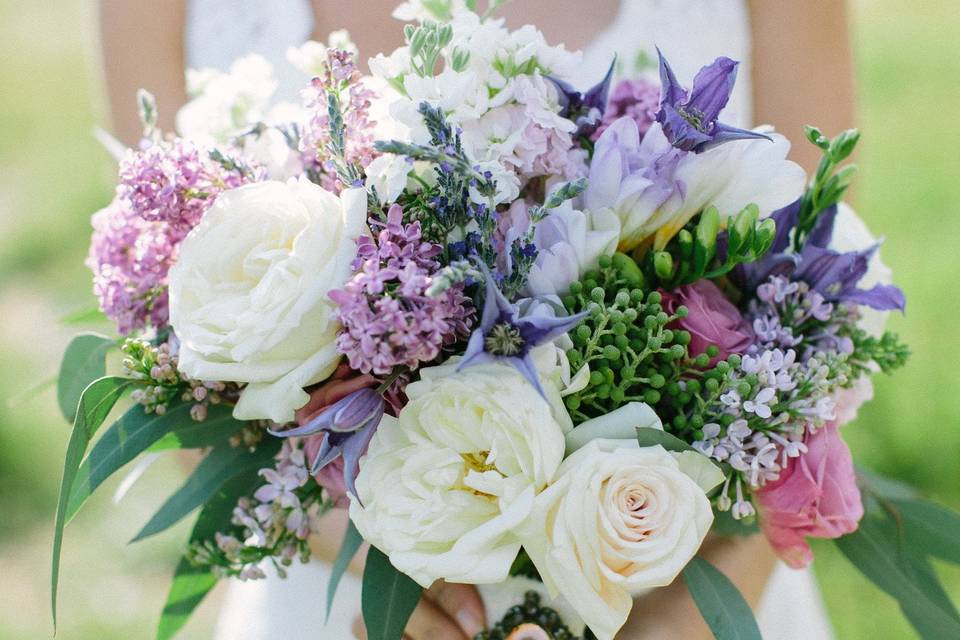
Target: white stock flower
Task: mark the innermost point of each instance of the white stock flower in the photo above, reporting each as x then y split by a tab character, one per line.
224	105
248	293
619	519
444	486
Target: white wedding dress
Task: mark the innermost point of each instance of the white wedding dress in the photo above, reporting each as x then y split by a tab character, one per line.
691	33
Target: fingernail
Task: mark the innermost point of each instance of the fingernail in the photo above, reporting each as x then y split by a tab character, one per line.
468	622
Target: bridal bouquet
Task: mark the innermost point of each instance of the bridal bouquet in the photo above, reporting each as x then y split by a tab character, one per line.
522	332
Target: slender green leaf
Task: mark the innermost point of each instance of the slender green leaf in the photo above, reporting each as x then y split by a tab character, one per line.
877	549
83	362
932	528
723	608
190	583
883	487
388	598
84	316
348	548
648	437
216	429
221	464
135	432
724	524
96	402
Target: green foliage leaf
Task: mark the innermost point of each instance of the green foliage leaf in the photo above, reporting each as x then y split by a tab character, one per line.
877	548
190	583
135	432
883	487
388	598
83	362
95	403
930	527
724	524
348	548
221	464
723	608
649	437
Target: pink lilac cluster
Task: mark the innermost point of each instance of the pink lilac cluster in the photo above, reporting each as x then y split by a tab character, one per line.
172	182
341	79
164	190
388	318
130	257
636	99
276	516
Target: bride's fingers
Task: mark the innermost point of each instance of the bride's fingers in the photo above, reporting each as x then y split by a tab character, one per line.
359	631
429	622
460	602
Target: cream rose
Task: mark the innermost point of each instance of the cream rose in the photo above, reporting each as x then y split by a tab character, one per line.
620	519
248	294
443	487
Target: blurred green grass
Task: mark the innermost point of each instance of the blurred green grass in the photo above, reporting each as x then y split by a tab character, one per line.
53	175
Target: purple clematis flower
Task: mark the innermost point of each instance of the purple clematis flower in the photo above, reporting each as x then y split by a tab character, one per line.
349	425
689	119
506	336
585	109
832	274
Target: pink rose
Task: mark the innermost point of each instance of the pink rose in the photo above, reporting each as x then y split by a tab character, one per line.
344	382
816	496
712	320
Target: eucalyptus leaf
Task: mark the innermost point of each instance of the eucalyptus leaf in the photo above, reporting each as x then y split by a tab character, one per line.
883	487
190	583
221	464
878	550
723	608
352	540
388	598
620	424
83	362
95	403
135	432
930	527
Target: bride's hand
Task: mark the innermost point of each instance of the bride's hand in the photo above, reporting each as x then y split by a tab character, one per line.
446	612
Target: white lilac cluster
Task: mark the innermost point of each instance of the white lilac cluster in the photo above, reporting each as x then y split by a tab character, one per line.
274	523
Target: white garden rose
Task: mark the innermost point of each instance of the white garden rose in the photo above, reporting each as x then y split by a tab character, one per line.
248	294
443	487
619	519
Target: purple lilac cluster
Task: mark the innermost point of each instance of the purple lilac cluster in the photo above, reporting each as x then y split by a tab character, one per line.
130	257
789	314
388	317
164	190
636	99
173	182
342	80
278	519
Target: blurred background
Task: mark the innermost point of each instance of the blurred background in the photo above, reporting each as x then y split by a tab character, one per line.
53	175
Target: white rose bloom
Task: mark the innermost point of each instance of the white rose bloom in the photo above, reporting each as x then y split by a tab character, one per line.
620	519
443	487
656	190
248	294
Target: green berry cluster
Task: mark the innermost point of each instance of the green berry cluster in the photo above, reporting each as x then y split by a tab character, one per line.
634	355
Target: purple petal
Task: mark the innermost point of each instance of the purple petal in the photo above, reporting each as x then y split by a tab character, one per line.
495	305
712	87
786	219
883	297
474	351
568	97
361	406
353	449
526	367
671	92
722	133
596	96
327	454
822	231
537	330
